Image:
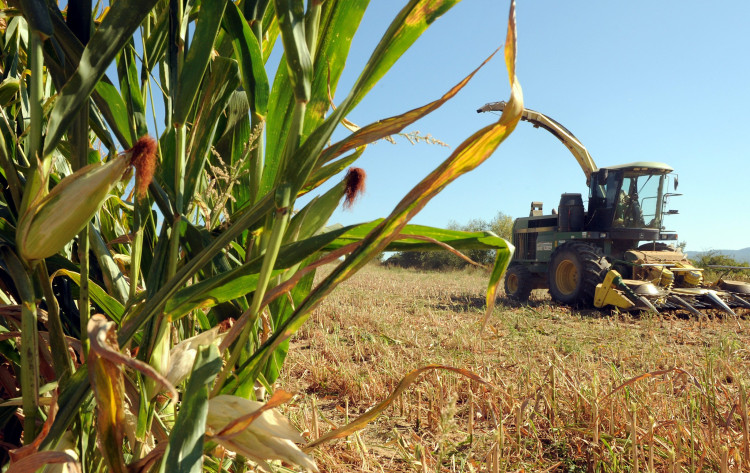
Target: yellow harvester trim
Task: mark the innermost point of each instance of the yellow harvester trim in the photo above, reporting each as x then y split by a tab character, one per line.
606	294
688	275
660	276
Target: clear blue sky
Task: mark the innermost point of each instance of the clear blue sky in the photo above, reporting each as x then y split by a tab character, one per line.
640	80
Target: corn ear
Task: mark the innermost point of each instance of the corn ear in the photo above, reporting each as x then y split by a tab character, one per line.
52	221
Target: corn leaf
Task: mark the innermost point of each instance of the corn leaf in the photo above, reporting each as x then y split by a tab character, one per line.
291	15
458	239
502	260
339	21
109	304
113	33
271	31
338	24
99	126
104	98
131	90
242	280
314	216
38	460
250	58
155	304
281	309
218	88
211	292
102	336
198	58
415	237
409	25
72	395
156	42
280	106
114	280
37	15
185	451
9	87
116	112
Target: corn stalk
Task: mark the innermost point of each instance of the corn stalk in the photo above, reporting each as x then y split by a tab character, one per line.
210	232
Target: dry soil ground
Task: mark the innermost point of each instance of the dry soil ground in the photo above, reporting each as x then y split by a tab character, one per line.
566	390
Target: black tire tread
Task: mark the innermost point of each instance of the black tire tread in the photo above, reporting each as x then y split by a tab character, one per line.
593	264
524	282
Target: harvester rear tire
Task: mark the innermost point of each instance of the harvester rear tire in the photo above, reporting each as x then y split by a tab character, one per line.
574	271
518	283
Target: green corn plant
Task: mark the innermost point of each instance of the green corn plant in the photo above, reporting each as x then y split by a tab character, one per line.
170	290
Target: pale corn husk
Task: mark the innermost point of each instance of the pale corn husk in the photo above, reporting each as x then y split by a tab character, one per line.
182	356
159	361
67	445
269	437
52	221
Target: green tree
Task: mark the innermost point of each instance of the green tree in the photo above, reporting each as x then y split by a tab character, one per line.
501	225
714	258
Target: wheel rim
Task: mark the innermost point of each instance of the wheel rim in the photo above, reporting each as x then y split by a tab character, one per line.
512	283
566	277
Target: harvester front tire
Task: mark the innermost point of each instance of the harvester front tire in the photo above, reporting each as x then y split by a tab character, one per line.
518	283
574	271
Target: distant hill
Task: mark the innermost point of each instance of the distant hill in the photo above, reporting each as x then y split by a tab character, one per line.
742	255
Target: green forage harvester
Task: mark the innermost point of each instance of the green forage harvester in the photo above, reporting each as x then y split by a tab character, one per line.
52	221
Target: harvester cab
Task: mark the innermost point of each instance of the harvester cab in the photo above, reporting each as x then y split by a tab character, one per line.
614	252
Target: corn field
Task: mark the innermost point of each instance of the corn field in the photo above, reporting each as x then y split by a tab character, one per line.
151	277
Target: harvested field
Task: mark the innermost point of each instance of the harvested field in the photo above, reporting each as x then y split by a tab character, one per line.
568	390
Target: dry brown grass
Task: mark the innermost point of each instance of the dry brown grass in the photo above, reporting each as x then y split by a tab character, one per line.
551	370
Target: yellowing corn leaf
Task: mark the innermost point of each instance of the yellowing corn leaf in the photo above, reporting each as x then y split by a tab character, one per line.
105	375
390	126
38	460
30	449
107	382
100	330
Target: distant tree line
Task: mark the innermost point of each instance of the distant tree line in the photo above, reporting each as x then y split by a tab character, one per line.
501	225
707	261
